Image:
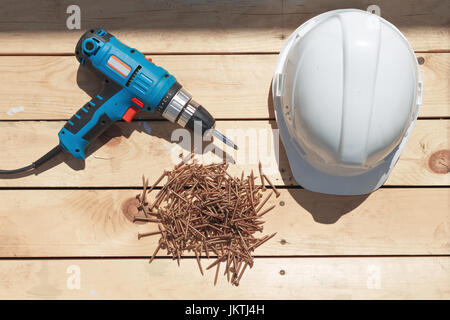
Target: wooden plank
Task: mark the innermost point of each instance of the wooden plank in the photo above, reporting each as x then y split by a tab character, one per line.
230	86
428	150
126	151
159	26
436	81
202	26
97	223
274	278
424	23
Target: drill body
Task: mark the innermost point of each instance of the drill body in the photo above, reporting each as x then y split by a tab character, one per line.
132	83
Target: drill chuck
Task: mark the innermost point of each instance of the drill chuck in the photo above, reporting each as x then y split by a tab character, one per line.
176	105
180	108
186	112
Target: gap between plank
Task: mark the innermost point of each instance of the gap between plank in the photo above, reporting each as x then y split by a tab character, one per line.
65	54
212	53
217	119
139	188
212	257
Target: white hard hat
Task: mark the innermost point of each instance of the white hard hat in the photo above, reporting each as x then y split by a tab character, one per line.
346	90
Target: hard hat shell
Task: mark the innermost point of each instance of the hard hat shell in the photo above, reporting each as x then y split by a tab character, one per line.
346	90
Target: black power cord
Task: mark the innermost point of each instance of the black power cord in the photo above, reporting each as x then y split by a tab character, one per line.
52	153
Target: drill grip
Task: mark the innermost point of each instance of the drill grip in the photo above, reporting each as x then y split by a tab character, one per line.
94	118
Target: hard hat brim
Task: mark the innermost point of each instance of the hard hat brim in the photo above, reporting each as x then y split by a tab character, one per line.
314	180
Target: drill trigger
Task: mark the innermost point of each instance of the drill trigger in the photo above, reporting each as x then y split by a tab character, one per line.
130	113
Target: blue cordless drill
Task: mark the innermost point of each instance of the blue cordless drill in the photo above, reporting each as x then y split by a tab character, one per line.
132	83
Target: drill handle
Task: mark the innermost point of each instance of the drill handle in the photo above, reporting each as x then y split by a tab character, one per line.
94	118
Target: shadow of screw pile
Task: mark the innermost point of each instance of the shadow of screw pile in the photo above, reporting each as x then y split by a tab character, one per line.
324	208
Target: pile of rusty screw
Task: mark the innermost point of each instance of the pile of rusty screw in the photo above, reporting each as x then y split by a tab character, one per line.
203	209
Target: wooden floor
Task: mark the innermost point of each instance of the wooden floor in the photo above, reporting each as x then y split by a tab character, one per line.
70	219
